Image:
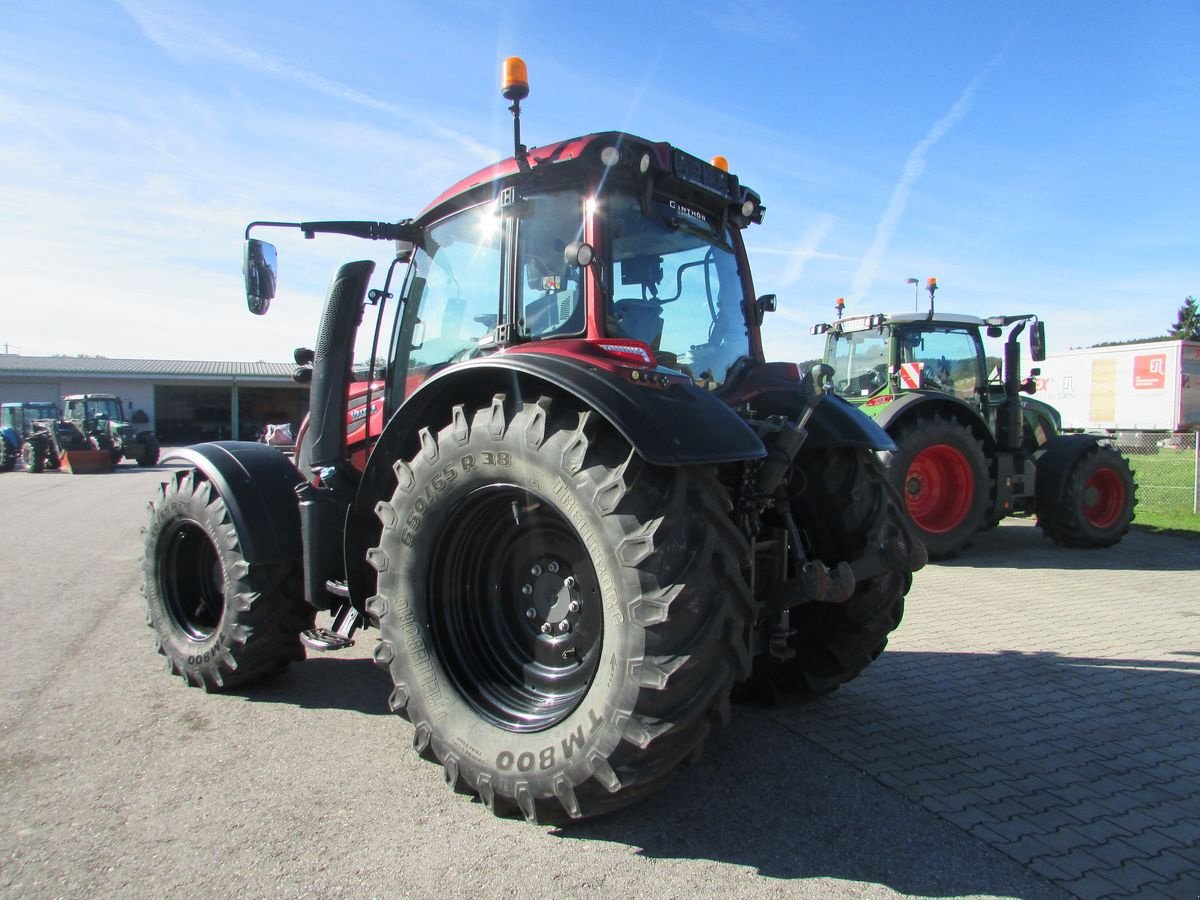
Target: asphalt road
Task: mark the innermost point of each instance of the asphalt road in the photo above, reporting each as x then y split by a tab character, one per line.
118	779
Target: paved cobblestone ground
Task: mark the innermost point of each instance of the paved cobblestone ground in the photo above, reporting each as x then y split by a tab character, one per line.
1048	702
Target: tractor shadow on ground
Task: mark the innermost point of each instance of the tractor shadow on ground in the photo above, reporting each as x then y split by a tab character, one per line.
768	799
1019	545
772	793
329	682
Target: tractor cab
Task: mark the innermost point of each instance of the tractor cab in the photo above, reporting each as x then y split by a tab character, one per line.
879	356
21	416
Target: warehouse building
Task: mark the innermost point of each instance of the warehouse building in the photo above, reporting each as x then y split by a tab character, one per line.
185	401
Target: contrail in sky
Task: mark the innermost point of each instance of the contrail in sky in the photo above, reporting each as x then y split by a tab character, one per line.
169	30
913	167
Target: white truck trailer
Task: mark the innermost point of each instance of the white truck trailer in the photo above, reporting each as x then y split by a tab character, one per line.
1132	387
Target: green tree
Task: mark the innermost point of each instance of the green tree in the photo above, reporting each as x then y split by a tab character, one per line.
1187	326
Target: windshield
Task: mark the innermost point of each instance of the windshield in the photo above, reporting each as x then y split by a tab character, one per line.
860	361
676	287
93	408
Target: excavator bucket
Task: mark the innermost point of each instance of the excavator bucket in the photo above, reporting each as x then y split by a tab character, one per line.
86	462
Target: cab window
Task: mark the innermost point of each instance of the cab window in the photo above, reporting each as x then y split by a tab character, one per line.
949	360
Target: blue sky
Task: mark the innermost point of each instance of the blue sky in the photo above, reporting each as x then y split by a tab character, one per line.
1034	157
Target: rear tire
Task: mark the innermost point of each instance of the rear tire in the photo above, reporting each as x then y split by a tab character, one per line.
1098	499
220	621
940	470
551	699
843	504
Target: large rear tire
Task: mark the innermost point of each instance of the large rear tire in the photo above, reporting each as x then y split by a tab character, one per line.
940	470
562	621
220	621
8	455
846	510
1098	498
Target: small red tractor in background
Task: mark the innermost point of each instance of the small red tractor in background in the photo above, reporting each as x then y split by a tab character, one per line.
970	448
577	502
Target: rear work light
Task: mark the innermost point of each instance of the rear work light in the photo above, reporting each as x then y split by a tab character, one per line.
628	350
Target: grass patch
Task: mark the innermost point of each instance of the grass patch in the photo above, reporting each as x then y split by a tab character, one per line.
1175	523
1166	489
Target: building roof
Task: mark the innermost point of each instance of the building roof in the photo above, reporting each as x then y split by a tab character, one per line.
13	364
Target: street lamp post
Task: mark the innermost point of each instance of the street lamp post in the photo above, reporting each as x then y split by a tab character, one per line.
914	282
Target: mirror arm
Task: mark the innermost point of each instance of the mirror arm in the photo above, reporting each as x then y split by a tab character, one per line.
375	231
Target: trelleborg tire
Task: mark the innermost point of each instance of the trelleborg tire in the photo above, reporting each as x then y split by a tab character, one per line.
1098	499
940	470
847	510
220	621
562	621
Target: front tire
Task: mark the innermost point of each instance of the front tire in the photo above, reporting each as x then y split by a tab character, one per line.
220	621
846	510
33	454
940	470
562	621
1098	498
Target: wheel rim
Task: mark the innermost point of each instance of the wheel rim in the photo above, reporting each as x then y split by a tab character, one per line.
1103	498
516	615
191	582
939	488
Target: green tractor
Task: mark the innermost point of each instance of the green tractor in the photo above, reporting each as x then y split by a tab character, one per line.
970	449
100	417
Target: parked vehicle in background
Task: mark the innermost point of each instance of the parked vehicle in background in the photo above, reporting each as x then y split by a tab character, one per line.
101	417
1153	386
970	449
17	431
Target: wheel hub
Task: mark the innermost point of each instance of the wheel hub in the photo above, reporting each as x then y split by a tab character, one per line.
518	621
555	601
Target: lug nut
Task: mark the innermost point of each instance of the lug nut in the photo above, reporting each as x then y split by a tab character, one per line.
573	606
552	567
569	581
527	590
546	628
531	613
536	571
564	626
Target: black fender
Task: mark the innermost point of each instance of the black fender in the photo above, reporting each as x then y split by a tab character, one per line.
1054	461
836	423
258	485
669	426
832	423
914	403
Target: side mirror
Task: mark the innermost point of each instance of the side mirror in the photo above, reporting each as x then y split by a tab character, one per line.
763	305
579	254
259	267
1037	341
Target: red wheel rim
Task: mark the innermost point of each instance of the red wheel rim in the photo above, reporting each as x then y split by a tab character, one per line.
1103	498
939	488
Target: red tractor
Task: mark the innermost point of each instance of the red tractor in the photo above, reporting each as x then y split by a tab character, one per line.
579	505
